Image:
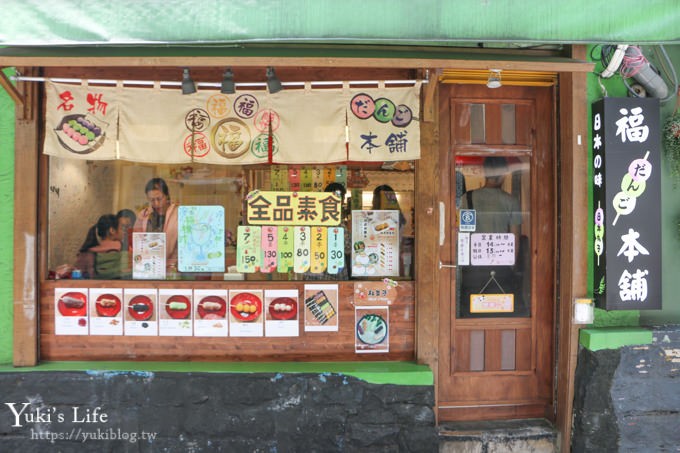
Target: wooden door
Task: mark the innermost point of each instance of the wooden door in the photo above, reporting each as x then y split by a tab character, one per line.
497	252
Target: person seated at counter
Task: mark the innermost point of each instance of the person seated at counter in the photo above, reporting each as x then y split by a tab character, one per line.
160	217
100	255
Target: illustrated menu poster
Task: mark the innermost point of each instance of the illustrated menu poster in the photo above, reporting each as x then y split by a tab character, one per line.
200	239
281	313
140	312
174	312
106	311
148	256
210	313
246	313
372	329
375	293
321	308
70	311
375	243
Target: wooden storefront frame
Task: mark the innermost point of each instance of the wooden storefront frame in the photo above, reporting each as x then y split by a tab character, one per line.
573	152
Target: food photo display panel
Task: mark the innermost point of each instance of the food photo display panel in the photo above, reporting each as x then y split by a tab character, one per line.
372	330
174	312
321	308
282	310
246	313
70	311
106	311
140	307
211	307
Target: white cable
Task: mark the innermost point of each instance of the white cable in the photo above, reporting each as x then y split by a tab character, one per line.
615	61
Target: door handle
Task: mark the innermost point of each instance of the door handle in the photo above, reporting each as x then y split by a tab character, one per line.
442	265
442	224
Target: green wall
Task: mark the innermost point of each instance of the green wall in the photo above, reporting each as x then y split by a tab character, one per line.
6	223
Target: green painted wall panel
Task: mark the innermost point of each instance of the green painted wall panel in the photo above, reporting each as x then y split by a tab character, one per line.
6	223
428	22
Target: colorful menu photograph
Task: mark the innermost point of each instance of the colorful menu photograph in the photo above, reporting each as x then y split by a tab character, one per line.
281	313
246	313
372	329
375	243
321	308
200	239
174	312
148	256
70	311
140	312
210	313
106	311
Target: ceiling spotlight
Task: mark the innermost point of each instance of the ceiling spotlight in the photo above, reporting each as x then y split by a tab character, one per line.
228	85
273	82
494	80
188	85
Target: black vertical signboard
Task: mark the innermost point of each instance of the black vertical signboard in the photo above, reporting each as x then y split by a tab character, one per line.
627	202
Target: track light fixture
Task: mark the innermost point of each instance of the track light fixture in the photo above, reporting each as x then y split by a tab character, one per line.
494	80
188	85
273	82
228	86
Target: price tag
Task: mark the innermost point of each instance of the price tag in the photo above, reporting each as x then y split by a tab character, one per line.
294	179
306	180
279	178
248	253
341	174
336	249
269	240
319	249
317	179
328	175
285	249
302	245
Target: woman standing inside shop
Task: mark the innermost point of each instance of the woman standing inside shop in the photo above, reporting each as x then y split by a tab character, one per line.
160	217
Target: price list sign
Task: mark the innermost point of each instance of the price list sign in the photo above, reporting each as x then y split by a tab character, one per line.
336	249
319	249
269	246
248	250
285	249
302	243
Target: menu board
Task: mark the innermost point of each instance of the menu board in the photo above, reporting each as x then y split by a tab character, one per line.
321	308
282	310
336	249
140	312
245	313
210	313
106	311
319	249
375	243
200	240
174	312
148	252
70	311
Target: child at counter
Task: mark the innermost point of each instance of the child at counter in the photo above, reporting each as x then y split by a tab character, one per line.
99	257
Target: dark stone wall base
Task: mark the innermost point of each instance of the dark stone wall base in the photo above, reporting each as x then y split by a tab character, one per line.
212	412
628	399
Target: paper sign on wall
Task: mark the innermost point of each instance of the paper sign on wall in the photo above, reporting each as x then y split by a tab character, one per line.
321	308
372	330
210	313
282	310
302	242
246	313
248	251
140	307
319	252
285	249
106	311
336	249
269	248
70	311
175	309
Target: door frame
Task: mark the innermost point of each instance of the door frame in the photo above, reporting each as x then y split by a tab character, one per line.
572	161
